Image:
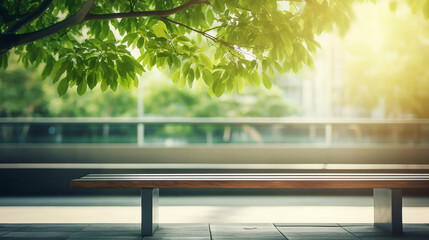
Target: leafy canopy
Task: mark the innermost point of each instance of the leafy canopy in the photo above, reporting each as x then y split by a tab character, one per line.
224	44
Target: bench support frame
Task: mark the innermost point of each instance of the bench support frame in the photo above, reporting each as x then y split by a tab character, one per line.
149	209
388	210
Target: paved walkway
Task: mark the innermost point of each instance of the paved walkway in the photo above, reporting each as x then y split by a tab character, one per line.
230	231
183	218
204	209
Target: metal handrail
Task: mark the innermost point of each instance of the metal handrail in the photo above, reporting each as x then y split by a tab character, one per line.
207	120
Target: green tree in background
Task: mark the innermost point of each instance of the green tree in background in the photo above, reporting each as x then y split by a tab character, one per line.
224	44
21	94
109	104
388	67
162	99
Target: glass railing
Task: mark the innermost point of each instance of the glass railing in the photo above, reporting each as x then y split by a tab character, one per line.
151	131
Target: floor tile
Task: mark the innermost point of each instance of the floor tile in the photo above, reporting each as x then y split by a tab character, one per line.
333	233
404	237
415	227
39	235
321	238
31	238
306	225
176	238
108	227
365	230
248	237
244	231
50	229
12	225
106	234
179	231
54	225
104	238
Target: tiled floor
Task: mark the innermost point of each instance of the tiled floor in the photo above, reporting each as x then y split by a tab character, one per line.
224	231
204	209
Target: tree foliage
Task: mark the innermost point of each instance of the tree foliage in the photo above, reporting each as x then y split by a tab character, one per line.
224	44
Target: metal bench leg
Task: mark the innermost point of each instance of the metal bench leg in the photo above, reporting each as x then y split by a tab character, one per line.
388	210
149	207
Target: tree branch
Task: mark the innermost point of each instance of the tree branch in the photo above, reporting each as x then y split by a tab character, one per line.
213	38
200	32
10	40
132	14
29	17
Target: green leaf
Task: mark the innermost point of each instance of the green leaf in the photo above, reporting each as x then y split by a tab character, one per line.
59	68
176	61
81	88
219	88
4	57
288	47
162	25
190	78
175	77
266	81
207	77
159	31
210	17
271	71
92	80
140	43
182	82
264	65
104	85
48	68
229	87
113	85
183	39
255	80
206	61
239	84
62	87
185	68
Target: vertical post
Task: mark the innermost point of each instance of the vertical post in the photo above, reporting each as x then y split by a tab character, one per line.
149	208
140	134
140	113
328	134
388	210
209	136
312	133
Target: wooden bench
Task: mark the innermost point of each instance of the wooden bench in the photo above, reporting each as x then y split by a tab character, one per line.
387	189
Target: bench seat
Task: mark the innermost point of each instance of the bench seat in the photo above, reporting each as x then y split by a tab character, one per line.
387	188
254	180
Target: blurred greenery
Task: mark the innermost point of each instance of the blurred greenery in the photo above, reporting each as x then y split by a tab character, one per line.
387	66
161	98
21	94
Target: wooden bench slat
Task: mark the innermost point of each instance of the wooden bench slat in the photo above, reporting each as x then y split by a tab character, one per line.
296	180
